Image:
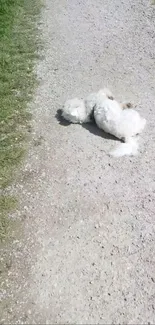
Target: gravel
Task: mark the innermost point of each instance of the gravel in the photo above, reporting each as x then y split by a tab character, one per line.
87	255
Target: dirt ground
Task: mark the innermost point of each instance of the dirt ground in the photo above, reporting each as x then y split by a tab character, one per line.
87	255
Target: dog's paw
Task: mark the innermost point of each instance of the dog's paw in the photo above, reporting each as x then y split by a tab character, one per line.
111	97
126	105
129	105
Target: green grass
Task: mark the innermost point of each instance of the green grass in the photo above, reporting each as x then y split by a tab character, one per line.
7	204
18	52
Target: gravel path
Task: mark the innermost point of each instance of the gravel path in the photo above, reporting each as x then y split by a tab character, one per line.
89	251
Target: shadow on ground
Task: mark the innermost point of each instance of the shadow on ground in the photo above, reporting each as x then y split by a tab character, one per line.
91	127
60	118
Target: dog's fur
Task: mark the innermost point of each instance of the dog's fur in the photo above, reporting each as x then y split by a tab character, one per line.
79	111
118	119
123	124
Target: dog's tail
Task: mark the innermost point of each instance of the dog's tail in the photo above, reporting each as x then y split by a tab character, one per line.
129	148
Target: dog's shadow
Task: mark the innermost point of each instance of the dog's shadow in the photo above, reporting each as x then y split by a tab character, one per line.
60	118
91	127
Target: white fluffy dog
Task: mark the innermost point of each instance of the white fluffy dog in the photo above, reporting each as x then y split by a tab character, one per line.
123	124
110	116
81	111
